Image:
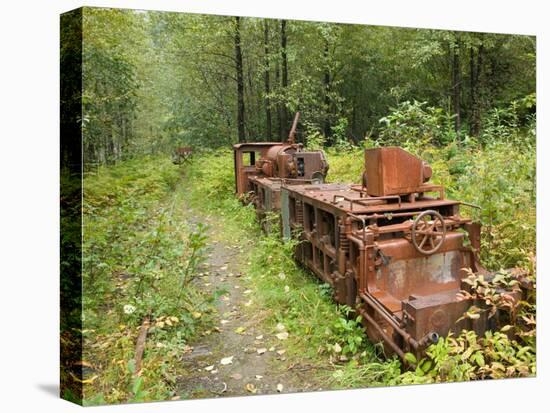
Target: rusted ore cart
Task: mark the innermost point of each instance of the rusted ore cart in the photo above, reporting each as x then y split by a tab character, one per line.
181	155
394	248
262	168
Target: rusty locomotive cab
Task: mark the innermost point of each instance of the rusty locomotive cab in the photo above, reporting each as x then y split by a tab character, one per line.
394	248
261	168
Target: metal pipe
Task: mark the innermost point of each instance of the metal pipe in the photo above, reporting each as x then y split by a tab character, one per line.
292	133
361	219
470	205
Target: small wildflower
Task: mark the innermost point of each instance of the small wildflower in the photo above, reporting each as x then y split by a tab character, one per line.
129	309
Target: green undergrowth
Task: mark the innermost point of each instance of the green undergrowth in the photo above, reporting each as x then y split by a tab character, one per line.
140	258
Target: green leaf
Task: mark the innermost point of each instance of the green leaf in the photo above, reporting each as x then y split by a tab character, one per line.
410	358
137	385
478	357
132	366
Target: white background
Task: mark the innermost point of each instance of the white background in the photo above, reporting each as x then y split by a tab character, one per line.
29	130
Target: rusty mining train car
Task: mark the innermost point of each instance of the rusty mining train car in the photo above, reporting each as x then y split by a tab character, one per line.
394	248
262	168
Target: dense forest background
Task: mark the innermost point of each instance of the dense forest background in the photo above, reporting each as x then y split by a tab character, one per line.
156	80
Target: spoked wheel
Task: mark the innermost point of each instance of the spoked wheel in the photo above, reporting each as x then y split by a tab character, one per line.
428	232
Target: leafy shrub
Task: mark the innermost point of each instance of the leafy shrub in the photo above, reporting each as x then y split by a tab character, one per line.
414	124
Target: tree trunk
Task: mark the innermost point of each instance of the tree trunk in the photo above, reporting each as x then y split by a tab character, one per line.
456	83
279	106
240	82
475	71
326	84
267	81
284	114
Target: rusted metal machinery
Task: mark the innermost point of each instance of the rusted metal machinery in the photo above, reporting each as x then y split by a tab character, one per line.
261	169
394	248
181	154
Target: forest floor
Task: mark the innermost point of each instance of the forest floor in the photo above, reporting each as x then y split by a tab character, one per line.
240	355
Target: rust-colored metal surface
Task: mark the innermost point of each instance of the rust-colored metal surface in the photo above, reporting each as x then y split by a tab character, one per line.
394	171
261	168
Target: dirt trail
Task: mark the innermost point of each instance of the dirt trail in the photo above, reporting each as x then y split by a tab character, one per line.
258	364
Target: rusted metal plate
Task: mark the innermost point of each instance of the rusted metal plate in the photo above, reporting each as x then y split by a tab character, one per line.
394	171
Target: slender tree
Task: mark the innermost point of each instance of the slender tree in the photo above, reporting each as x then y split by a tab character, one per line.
284	78
476	64
267	85
240	81
456	81
326	85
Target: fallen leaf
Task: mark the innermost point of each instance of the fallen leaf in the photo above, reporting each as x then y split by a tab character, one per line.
240	330
196	314
279	387
261	350
87	381
251	388
84	364
227	360
209	368
282	336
